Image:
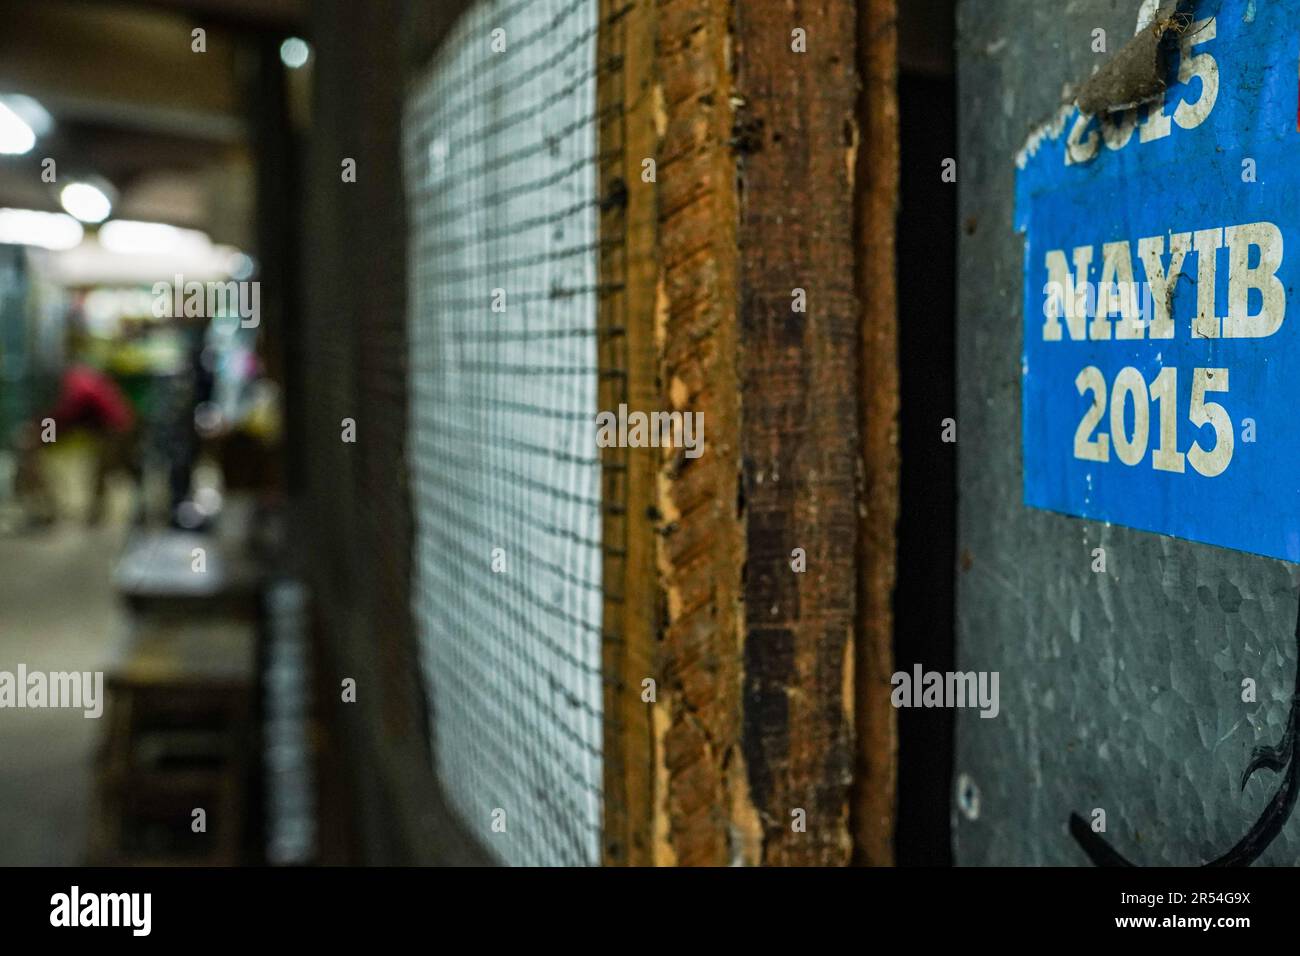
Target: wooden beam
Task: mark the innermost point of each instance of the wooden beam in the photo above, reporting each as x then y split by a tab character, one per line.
796	133
756	150
706	816
876	771
625	328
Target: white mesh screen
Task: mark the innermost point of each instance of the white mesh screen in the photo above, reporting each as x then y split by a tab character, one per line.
500	153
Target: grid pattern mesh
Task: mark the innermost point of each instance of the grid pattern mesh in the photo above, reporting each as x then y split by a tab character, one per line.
500	160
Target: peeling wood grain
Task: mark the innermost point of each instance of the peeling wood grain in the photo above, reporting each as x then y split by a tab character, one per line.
757	154
875	774
799	373
701	546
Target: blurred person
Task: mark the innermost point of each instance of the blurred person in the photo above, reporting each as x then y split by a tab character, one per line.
91	400
183	447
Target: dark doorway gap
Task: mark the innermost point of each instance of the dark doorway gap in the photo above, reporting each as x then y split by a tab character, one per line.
924	600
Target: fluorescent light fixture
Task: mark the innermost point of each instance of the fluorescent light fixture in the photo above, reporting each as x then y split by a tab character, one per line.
48	230
16	136
88	203
30	112
294	53
127	237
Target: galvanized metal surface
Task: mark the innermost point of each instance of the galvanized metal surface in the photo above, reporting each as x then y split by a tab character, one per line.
1122	690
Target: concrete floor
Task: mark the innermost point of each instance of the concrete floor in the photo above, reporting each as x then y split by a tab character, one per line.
58	612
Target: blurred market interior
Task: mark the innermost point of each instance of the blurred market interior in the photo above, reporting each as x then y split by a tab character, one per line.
177	511
147	150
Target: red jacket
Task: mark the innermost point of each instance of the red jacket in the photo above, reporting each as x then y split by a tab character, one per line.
89	397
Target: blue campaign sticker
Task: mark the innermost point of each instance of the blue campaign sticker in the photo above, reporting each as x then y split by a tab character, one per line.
1161	364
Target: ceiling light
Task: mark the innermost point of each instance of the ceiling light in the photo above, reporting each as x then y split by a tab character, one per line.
88	203
294	53
241	266
30	112
48	230
127	237
16	137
